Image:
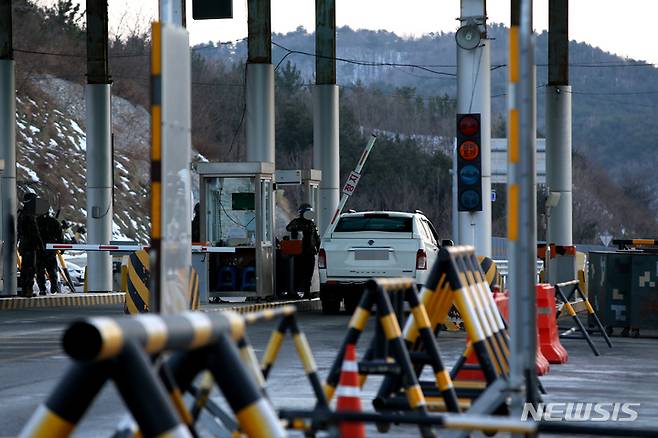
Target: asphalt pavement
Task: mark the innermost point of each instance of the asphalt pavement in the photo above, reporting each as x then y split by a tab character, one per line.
31	362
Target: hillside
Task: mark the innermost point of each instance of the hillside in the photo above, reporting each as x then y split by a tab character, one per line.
51	145
408	168
613	96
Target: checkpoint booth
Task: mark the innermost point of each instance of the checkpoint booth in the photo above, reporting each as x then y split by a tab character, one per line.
237	211
308	180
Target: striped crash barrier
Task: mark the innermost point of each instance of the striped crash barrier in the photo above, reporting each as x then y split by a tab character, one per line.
120	349
457	279
287	325
138	281
179	373
388	342
567	303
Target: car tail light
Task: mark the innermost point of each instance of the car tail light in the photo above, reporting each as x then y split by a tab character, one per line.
421	259
322	259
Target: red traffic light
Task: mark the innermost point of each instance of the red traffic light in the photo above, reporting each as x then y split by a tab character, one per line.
468	126
469	150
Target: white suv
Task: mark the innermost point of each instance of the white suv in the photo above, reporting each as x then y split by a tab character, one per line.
360	246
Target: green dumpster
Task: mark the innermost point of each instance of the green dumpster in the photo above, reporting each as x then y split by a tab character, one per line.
624	288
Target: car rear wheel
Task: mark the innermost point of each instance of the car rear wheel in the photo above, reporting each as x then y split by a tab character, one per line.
352	300
330	307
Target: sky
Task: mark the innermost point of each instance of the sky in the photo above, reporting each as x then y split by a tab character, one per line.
609	24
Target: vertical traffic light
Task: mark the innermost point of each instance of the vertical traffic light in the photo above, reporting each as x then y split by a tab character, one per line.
469	163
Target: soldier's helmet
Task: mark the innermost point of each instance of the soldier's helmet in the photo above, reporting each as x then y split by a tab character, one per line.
306	211
29	197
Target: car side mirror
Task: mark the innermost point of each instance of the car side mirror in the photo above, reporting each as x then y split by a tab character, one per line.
447	242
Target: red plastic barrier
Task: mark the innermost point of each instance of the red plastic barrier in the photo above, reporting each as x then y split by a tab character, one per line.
542	364
549	338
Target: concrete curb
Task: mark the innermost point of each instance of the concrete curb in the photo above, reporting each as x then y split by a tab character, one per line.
302	306
62	300
101	299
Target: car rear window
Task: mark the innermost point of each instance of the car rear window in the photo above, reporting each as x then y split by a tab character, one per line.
375	223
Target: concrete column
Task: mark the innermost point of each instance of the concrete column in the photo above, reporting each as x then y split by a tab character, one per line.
7	149
558	161
99	185
326	155
474	96
260	83
326	147
558	123
260	112
172	11
8	182
99	148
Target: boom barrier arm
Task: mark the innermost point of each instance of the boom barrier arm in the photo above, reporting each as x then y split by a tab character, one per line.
353	178
127	248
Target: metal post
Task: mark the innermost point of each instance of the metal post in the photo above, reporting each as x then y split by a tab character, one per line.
455	194
558	127
474	96
521	204
326	149
260	83
172	11
99	149
8	150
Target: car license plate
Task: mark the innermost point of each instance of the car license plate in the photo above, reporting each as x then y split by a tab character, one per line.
373	254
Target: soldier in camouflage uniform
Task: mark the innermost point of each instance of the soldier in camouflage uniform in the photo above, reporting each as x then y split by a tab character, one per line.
29	243
51	232
305	263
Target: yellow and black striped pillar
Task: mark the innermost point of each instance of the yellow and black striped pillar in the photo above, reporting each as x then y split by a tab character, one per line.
156	163
139	279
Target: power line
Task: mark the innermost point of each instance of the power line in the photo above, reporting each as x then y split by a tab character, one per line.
119	55
425	67
614	93
362	62
39	52
602	97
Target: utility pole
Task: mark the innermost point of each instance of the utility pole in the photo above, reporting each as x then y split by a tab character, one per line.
260	83
8	149
558	135
521	205
172	11
326	148
99	148
474	96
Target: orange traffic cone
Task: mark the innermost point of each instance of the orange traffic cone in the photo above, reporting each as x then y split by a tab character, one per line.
348	394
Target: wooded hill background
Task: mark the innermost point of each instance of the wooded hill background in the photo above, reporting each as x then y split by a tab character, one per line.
413	110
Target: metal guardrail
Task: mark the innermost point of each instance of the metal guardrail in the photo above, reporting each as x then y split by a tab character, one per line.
503	270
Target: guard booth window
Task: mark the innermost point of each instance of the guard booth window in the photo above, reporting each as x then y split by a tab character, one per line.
231	211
